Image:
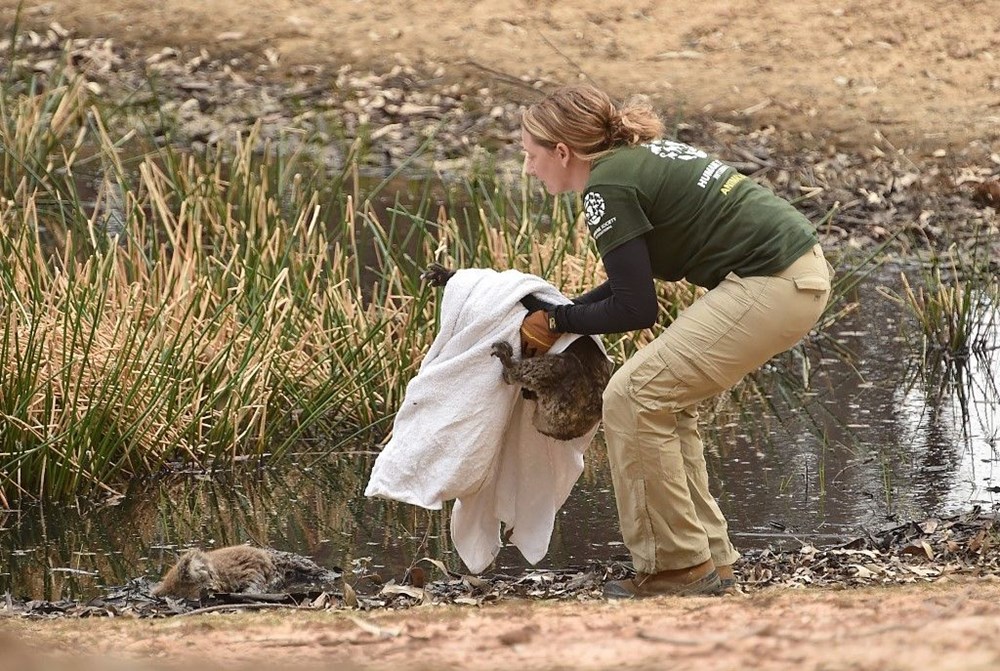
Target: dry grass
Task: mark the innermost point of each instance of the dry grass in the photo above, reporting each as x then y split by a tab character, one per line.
206	310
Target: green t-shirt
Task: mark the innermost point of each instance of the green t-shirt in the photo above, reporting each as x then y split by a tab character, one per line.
702	219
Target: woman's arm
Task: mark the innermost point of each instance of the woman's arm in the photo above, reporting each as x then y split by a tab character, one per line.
598	293
629	296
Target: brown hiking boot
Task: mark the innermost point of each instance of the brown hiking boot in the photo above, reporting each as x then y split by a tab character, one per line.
700	580
727	579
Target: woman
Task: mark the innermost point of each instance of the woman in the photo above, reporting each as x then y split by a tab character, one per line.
665	210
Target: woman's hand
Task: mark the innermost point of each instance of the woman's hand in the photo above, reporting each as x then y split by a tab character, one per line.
536	337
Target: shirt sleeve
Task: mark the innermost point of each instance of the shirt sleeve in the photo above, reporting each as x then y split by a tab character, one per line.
614	216
598	293
630	304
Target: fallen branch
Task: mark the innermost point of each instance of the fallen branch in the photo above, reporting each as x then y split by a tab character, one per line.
238	606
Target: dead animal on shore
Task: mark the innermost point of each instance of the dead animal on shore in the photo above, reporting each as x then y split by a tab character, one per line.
567	386
237	569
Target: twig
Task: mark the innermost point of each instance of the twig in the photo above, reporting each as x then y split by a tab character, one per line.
569	60
237	606
881	136
374	629
503	76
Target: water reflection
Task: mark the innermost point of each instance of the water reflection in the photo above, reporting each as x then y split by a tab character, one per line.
316	511
886	436
878	436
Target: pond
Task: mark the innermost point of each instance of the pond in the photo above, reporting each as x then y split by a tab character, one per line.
878	437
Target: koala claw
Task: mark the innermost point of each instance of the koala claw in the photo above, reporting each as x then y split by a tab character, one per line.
436	275
502	350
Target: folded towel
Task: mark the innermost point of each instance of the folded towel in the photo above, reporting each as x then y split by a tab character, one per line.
463	433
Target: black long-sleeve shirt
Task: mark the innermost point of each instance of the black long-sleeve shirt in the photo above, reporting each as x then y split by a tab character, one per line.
625	302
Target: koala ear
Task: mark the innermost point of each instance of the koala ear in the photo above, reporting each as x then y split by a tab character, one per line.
194	566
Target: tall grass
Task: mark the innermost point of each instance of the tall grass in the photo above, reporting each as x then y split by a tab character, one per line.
207	328
954	302
203	311
164	311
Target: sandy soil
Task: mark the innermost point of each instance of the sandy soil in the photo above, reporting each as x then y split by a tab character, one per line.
945	626
918	76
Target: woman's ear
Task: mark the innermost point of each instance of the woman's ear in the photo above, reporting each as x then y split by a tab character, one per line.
563	153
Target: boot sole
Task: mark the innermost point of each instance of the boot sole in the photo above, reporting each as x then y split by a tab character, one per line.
709	585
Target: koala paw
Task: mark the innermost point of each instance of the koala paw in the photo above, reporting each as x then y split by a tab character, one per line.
436	275
503	351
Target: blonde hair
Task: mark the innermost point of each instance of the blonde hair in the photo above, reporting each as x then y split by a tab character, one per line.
588	121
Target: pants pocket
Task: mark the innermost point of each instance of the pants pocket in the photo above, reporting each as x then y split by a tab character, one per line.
812	283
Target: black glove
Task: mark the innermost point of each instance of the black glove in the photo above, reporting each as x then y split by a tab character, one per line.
533	303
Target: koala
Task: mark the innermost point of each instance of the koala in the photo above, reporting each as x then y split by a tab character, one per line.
235	569
567	386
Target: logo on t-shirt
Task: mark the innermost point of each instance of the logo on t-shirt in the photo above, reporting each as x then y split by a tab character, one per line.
675	150
593	208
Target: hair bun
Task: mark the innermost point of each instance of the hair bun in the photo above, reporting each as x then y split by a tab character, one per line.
589	121
619	131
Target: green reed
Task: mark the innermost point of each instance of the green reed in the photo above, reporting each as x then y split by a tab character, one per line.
953	302
200	331
163	310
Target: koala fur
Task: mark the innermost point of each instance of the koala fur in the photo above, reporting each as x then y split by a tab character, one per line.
568	386
235	569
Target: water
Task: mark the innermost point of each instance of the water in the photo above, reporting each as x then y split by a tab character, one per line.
878	438
883	439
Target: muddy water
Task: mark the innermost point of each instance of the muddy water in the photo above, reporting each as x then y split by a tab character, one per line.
878	437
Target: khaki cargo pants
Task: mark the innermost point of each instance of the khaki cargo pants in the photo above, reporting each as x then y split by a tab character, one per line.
669	520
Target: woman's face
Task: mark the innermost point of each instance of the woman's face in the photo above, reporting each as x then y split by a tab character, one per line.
549	164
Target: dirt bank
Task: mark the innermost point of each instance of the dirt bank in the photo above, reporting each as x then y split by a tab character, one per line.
922	75
948	626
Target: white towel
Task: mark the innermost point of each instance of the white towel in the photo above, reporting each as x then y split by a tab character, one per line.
463	433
